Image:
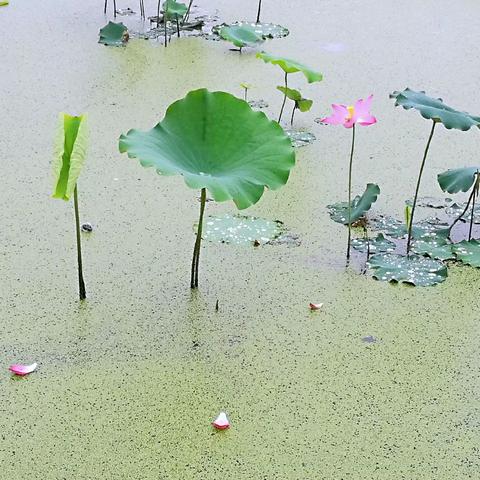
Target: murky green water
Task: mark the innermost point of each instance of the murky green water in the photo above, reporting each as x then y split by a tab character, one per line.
129	382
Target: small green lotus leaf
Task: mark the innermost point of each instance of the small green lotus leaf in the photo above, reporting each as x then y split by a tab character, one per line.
216	141
379	244
241	230
413	270
304	105
70	152
172	9
361	204
458	179
468	252
291	93
291	66
114	34
240	36
434	109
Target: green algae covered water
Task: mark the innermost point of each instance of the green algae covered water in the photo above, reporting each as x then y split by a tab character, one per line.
382	383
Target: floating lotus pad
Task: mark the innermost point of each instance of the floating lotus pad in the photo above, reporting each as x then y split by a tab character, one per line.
114	34
216	141
264	30
300	139
413	270
468	252
379	244
241	230
360	205
434	109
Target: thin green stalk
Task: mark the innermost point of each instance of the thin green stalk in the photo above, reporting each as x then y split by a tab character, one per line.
470	198
185	18
259	10
198	241
81	283
246	93
114	8
165	29
417	189
158	14
105	7
476	187
293	115
284	98
350	193
178	26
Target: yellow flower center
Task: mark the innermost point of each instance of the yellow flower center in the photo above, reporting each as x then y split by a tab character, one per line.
351	111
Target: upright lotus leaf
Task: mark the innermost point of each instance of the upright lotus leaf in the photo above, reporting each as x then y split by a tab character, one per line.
216	142
361	204
458	179
240	36
114	34
413	270
291	66
70	152
434	109
468	252
303	104
173	9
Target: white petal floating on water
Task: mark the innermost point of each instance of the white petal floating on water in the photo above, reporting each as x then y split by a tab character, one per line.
22	370
316	306
221	422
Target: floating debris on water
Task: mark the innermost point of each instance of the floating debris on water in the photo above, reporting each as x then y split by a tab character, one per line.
221	422
258	104
369	339
87	227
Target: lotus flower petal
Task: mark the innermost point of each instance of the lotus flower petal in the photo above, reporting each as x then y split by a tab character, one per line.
22	370
349	116
340	113
316	306
221	422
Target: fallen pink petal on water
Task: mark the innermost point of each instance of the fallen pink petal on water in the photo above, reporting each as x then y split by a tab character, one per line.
22	370
316	306
221	422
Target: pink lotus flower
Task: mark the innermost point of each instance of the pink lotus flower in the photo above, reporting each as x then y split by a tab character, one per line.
351	115
316	306
23	370
221	422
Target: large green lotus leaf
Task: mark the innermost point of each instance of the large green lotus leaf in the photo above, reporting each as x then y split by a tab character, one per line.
434	109
240	36
360	206
291	66
216	141
458	179
113	34
172	9
70	152
468	252
379	244
414	270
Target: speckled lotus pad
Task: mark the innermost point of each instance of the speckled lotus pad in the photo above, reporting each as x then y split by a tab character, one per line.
299	138
413	270
266	30
241	230
379	244
468	252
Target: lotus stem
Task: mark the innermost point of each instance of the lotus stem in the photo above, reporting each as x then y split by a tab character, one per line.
245	94
185	18
293	115
198	241
284	98
142	9
259	10
81	283
165	29
350	194
115	8
158	14
178	26
417	189
470	198
105	7
476	187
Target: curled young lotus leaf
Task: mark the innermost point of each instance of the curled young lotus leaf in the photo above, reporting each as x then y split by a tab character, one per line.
216	141
468	252
413	270
241	230
434	109
240	36
113	34
361	204
291	66
70	152
173	9
458	179
379	244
